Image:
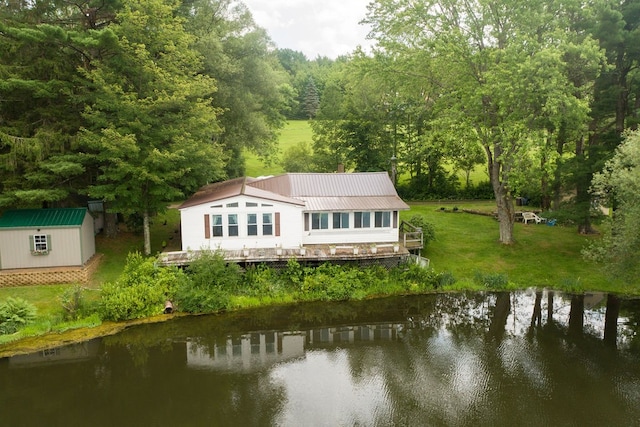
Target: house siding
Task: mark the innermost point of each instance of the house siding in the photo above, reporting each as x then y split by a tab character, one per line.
194	228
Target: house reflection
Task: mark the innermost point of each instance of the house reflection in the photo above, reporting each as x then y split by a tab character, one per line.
256	350
68	354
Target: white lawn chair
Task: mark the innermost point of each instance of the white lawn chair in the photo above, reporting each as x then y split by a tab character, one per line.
530	216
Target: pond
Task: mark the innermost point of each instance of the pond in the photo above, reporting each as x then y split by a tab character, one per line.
488	359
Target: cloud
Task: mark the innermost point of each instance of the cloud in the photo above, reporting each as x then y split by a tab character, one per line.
316	28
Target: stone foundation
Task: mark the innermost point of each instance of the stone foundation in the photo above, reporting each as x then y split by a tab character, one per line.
50	275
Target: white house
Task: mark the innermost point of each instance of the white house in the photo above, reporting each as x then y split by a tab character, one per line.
292	210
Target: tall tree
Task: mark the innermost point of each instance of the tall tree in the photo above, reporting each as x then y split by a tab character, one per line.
42	45
615	98
500	70
253	90
151	125
618	187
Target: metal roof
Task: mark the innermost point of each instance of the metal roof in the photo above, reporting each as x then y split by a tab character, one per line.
361	184
234	187
61	217
316	191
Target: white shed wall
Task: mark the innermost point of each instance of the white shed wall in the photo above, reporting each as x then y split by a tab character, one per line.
88	248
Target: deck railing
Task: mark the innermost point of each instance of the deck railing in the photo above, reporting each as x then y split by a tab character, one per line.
411	236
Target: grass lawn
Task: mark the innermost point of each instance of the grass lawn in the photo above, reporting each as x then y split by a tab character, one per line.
293	133
542	256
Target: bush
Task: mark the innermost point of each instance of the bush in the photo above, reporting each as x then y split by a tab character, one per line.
262	281
428	229
73	302
491	280
140	291
210	269
211	282
15	313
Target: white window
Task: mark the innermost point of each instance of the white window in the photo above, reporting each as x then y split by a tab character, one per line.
233	224
252	224
383	219
267	224
362	219
319	221
216	225
40	243
341	220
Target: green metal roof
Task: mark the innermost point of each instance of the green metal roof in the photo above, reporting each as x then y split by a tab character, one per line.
62	217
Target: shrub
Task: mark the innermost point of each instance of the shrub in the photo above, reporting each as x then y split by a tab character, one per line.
262	281
210	269
293	274
140	291
491	280
15	313
428	229
211	281
73	302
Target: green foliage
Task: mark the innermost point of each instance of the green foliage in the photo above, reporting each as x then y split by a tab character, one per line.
74	303
618	187
210	270
492	281
15	313
297	158
428	229
262	280
141	290
293	274
211	282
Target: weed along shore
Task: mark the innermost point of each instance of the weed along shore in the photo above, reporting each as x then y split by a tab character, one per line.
129	289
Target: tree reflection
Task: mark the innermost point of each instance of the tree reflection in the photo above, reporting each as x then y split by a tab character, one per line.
611	320
576	315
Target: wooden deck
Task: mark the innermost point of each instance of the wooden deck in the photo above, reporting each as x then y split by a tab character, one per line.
383	253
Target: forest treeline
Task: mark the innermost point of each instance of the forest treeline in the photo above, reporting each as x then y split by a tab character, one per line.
139	103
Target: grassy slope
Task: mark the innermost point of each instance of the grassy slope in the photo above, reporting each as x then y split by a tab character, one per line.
294	132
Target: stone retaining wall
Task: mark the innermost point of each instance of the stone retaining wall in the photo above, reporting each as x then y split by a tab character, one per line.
50	276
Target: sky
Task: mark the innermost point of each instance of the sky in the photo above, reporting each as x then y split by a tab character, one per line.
314	27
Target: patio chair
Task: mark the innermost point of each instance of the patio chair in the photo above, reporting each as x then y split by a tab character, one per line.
530	216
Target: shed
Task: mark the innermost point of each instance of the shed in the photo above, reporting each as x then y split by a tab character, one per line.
36	238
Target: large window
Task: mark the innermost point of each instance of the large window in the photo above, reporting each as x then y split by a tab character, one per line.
383	219
252	224
233	224
362	219
319	221
340	220
267	224
216	226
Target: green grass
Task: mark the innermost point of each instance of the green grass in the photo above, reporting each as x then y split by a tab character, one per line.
542	256
294	132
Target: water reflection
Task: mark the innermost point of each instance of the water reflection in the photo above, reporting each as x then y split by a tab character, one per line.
527	358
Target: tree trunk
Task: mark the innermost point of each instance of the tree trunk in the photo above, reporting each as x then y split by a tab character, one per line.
504	203
147	233
110	223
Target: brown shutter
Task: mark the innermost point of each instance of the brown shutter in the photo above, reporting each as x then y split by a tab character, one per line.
395	219
277	224
207	228
306	221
